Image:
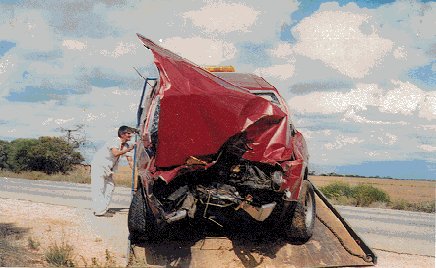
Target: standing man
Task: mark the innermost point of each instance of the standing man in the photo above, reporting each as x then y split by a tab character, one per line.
103	166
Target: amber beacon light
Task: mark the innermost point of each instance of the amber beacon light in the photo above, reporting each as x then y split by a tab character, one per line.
219	68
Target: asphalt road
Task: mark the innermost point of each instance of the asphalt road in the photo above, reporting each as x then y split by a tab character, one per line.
384	229
393	230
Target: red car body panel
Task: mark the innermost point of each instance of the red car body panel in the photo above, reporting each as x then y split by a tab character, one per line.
200	111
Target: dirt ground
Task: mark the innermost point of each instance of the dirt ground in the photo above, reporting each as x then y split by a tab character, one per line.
101	244
48	225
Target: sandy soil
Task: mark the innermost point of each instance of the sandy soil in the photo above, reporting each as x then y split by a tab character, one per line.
92	237
49	224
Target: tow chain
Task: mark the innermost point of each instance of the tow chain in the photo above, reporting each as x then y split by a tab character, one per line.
365	257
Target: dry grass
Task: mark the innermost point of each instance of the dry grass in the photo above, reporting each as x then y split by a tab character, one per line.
124	176
80	174
413	191
33	244
60	255
413	195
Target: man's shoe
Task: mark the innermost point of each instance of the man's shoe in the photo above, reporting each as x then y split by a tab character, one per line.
107	214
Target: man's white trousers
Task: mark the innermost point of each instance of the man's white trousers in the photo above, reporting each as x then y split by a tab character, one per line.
102	187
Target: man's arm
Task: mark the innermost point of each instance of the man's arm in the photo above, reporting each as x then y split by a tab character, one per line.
116	152
130	161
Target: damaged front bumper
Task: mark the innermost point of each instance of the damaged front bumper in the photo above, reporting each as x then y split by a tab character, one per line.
188	200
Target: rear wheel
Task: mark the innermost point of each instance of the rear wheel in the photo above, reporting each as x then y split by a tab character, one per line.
140	222
304	215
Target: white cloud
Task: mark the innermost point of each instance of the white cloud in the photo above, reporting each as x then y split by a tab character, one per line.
428	106
82	51
5	64
282	71
9	65
201	51
309	134
100	111
29	29
407	98
426	127
388	138
416	18
223	17
427	148
322	56
342	141
337	102
120	50
404	98
74	44
400	53
283	51
352	116
360	56
336	38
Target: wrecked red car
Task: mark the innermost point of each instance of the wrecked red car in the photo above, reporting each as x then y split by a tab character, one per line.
217	145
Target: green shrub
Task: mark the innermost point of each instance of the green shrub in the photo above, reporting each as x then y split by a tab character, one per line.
341	193
18	155
60	255
365	194
32	243
47	154
52	155
3	154
426	206
337	189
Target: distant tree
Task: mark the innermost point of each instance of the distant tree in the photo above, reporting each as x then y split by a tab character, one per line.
18	154
52	155
47	154
3	154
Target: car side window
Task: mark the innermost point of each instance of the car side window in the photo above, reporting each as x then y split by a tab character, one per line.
270	97
292	128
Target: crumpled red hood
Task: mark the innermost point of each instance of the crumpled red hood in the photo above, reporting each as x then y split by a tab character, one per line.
199	112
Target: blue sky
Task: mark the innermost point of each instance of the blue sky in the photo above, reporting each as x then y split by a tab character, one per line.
359	76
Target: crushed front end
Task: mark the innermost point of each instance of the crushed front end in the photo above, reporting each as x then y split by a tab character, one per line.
215	150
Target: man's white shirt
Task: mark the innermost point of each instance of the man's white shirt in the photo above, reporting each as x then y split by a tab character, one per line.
105	158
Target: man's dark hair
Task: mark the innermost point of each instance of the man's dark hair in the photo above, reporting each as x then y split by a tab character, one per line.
124	129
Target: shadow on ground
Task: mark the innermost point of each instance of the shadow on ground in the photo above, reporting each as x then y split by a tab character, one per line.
175	249
13	247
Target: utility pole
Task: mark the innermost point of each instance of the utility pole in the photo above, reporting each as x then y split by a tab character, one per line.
70	131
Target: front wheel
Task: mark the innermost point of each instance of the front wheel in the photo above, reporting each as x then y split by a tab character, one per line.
304	215
140	222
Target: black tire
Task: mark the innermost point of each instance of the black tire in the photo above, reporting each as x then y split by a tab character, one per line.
304	215
139	220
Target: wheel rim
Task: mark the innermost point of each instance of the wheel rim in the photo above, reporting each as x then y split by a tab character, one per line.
308	209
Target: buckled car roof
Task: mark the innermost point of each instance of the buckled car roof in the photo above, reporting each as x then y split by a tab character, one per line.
249	81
